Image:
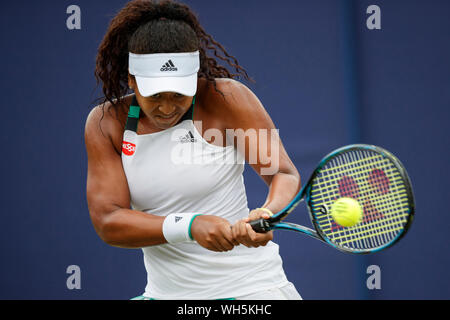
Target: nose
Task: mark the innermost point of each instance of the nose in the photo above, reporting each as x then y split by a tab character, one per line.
167	109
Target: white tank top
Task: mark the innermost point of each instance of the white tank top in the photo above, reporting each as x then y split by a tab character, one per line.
176	170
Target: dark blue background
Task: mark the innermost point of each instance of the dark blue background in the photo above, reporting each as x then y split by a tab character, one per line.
325	79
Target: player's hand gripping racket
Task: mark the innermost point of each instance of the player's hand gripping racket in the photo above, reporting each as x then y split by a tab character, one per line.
368	174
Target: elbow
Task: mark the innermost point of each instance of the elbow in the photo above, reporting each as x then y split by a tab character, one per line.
295	178
111	233
104	232
107	228
294	175
299	180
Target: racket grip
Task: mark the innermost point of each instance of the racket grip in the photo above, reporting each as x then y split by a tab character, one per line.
261	225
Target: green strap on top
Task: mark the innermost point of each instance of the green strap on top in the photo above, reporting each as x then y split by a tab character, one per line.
134	112
193	104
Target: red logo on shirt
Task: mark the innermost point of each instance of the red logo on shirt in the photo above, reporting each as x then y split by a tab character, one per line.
128	148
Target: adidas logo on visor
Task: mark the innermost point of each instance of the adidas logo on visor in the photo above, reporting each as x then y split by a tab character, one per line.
169	66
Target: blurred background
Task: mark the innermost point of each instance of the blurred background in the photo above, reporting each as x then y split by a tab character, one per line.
325	78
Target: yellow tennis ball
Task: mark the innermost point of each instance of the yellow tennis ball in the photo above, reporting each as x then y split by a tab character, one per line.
347	212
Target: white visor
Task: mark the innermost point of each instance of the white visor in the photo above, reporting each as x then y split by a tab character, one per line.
165	72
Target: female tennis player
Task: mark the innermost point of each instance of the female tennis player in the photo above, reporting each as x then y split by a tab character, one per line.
189	217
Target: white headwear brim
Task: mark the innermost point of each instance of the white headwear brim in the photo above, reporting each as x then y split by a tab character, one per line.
161	72
183	85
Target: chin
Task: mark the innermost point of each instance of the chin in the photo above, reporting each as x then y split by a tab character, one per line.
165	125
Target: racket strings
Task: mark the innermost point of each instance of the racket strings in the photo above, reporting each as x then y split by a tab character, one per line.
381	230
367	237
376	183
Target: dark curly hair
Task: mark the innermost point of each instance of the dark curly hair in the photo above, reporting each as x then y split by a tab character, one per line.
146	26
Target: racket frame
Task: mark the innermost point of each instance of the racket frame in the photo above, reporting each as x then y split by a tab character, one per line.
275	222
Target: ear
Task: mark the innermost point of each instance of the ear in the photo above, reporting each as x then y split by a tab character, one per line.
132	82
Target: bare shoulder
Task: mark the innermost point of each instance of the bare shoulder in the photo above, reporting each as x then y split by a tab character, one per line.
234	102
230	91
104	123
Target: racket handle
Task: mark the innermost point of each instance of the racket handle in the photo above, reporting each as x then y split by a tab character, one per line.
261	225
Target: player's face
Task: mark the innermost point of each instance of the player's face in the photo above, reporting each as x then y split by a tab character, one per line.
163	109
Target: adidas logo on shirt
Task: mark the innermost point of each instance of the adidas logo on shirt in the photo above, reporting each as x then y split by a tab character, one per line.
189	137
169	66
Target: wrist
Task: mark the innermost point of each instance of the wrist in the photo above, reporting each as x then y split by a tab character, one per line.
190	226
266	210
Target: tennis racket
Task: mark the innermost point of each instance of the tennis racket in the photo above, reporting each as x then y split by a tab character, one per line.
369	174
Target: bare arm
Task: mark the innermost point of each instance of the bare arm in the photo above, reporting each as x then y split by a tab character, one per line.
266	155
108	194
272	162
